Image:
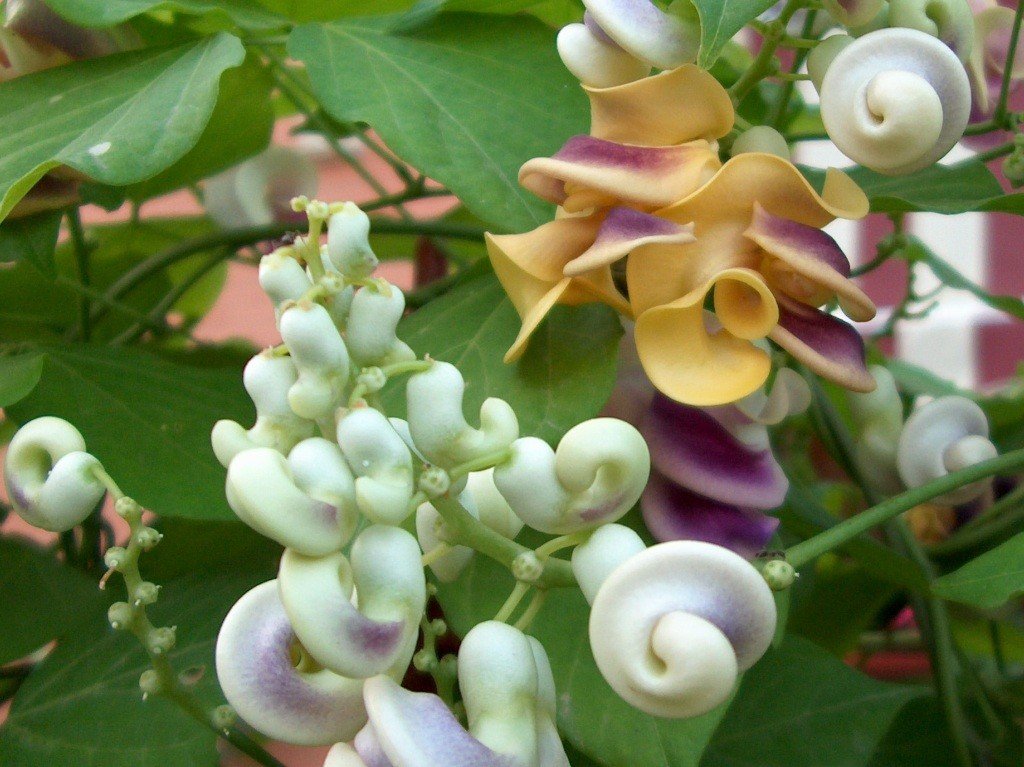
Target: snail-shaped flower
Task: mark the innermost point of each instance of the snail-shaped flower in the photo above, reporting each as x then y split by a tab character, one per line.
320	357
879	414
895	100
594	477
50	478
306	502
274	686
945	435
673	626
259	191
267	378
373	317
348	244
438	426
283	278
509	695
951	21
382	463
384	570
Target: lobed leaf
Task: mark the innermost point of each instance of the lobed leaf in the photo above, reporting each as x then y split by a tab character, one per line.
988	581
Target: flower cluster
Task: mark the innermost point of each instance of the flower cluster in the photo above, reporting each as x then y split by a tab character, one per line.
647	186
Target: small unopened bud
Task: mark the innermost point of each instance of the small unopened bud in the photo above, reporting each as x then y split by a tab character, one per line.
148	538
438	627
778	574
425	661
1013	169
449	666
115	557
526	567
299	203
224	717
161	640
318	209
372	379
434	481
120	615
150	683
146	593
127	508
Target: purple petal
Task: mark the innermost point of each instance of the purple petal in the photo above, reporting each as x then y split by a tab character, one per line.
830	347
367	745
622	231
694	450
673	513
646	31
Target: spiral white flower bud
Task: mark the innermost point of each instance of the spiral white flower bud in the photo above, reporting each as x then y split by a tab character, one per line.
363	641
895	100
372	322
307	502
320	357
382	463
597	558
267	378
593	478
283	278
50	478
943	436
951	21
437	423
673	626
348	243
596	60
665	40
269	690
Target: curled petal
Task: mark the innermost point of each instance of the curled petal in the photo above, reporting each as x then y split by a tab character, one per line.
348	243
993	27
595	60
267	378
827	345
372	322
259	677
623	230
590	173
945	435
895	100
672	626
50	478
382	463
378	635
691	448
951	21
789	395
646	31
674	107
320	356
674	513
491	504
853	13
595	559
306	502
438	426
807	264
687	362
258	192
594	477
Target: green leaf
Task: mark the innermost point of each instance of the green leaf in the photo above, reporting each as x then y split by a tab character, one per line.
466	99
118	119
31	239
19	374
799	704
147	420
83	705
906	745
720	20
329	10
107	13
591	715
40	598
565	377
988	581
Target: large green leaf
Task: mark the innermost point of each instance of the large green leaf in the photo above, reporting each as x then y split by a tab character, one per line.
19	374
990	580
31	239
40	598
590	714
106	13
565	377
119	119
329	10
720	20
466	99
801	707
147	420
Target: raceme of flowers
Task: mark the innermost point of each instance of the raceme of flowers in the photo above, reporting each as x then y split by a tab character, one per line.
647	185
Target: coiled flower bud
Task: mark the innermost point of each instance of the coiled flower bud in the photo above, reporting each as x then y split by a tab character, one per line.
951	21
372	321
594	477
364	640
673	626
320	357
348	243
306	502
853	13
50	478
382	463
879	415
595	59
438	426
283	278
267	379
895	100
597	558
945	435
258	191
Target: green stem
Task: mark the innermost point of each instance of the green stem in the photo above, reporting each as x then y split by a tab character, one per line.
764	63
81	250
1000	114
782	105
482	463
1000	519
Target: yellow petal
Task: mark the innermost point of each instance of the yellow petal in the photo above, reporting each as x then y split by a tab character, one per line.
673	107
533	316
